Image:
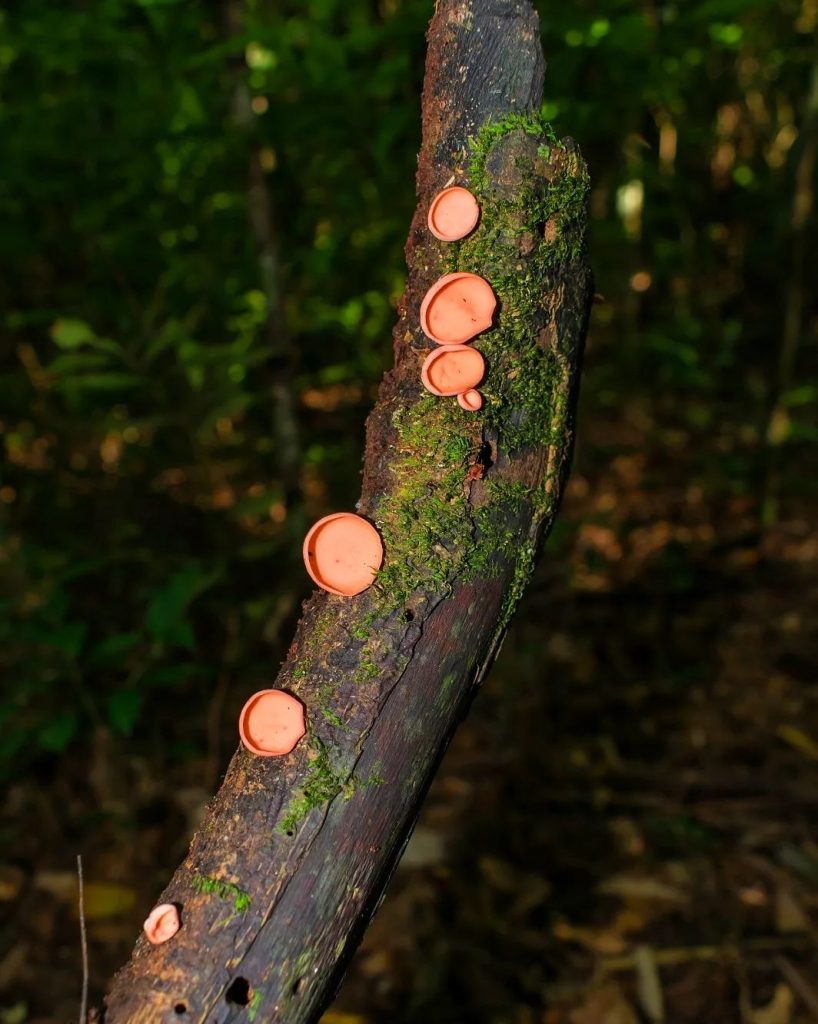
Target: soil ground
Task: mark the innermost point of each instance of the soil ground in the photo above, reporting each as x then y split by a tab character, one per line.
624	829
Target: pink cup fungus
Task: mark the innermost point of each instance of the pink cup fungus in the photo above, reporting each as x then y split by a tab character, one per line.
452	369
457	308
271	723
453	214
161	924
342	553
470	400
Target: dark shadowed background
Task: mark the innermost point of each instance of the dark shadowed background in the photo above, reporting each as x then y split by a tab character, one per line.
202	214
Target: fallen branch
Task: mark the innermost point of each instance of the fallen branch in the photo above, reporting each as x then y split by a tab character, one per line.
294	854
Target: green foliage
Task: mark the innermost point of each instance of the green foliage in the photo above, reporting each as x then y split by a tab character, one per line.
149	519
149	524
165	617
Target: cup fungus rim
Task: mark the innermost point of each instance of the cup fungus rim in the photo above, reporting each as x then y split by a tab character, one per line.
150	923
436	288
440	353
308	563
244	735
471	400
440	197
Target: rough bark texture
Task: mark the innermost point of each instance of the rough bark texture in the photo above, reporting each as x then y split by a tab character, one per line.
295	852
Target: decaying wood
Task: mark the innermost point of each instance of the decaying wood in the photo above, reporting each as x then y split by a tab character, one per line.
294	853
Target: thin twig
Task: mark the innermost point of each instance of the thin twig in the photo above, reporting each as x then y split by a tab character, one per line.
809	997
794	302
83	945
672	956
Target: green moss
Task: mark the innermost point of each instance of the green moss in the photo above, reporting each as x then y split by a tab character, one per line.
548	208
523	568
362	629
322	784
490	134
374	779
224	890
332	716
446	684
431	533
312	650
254	1004
425	520
354	783
496	538
312	643
433	536
367	666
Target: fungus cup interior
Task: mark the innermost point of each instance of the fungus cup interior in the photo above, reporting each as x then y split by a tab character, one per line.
453	214
457	308
453	369
271	723
161	924
342	553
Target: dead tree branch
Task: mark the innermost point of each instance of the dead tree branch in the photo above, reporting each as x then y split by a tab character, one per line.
294	854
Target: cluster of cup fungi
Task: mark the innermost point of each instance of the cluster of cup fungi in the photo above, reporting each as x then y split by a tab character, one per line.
343	552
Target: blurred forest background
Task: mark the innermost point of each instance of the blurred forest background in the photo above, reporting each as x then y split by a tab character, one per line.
202	213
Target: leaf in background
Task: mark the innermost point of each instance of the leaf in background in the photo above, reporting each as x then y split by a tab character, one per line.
17	1013
798	740
170	675
100	899
337	1017
604	1005
123	710
68	638
70	334
165	617
180	634
76	363
807	394
113	648
649	984
102	382
790	915
107	899
778	1010
59	732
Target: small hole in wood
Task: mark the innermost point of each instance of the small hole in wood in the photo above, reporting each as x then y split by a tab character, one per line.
180	1008
298	986
408	615
290	832
484	456
238	992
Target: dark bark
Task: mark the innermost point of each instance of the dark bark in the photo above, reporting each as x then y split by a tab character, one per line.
294	854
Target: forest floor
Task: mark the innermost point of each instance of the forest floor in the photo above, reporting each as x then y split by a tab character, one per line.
624	830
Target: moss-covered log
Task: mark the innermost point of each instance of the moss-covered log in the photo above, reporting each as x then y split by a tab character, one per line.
295	852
